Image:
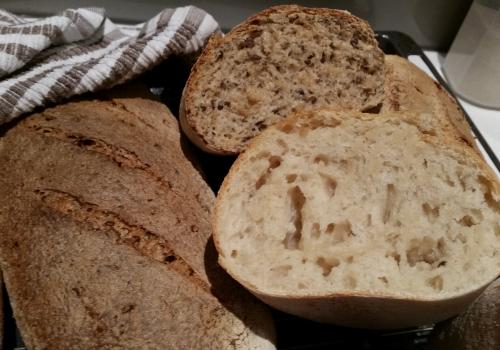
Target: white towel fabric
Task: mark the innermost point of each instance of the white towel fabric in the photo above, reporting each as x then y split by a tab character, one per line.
46	60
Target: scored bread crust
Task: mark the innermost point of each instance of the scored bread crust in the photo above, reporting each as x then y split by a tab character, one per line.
191	119
379	309
106	236
409	89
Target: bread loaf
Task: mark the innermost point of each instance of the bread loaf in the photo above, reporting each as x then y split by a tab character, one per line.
359	220
409	89
106	236
280	60
478	328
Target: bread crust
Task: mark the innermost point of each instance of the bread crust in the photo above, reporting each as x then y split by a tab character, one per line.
106	234
409	89
188	120
356	309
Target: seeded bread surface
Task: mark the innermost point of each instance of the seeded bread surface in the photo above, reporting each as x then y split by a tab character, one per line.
282	59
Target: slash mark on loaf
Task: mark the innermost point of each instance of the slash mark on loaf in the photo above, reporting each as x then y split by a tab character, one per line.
137	237
119	155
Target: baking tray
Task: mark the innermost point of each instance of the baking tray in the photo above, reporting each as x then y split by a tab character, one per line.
293	333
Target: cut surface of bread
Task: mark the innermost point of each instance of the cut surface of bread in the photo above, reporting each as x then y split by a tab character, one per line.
359	206
409	89
280	60
105	238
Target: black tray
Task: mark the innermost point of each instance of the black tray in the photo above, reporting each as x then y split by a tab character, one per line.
293	333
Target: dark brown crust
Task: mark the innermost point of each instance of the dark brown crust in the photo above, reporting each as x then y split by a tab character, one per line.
106	234
187	121
355	309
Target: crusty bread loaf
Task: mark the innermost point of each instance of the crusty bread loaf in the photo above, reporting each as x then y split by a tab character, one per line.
359	220
409	89
280	60
478	328
105	236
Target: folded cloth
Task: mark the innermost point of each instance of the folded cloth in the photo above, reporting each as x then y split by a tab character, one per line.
47	60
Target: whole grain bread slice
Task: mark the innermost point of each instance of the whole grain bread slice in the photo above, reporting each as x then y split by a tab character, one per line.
106	236
282	59
409	89
360	220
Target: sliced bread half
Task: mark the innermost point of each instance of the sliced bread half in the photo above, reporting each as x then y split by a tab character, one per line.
280	60
360	220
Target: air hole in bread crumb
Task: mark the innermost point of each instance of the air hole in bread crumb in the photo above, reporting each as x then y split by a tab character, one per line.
431	213
301	285
467	221
350	259
436	282
330	227
283	144
330	184
321	158
390	201
426	250
327	264
487	188
274	162
287	127
395	255
234	253
341	231
291	178
297	201
383	279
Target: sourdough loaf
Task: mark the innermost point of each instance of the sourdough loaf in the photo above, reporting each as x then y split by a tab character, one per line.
280	60
106	236
409	89
478	328
360	220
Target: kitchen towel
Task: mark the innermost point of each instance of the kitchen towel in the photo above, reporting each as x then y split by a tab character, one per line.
46	60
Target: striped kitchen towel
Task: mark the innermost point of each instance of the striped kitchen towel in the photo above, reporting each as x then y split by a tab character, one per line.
50	59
